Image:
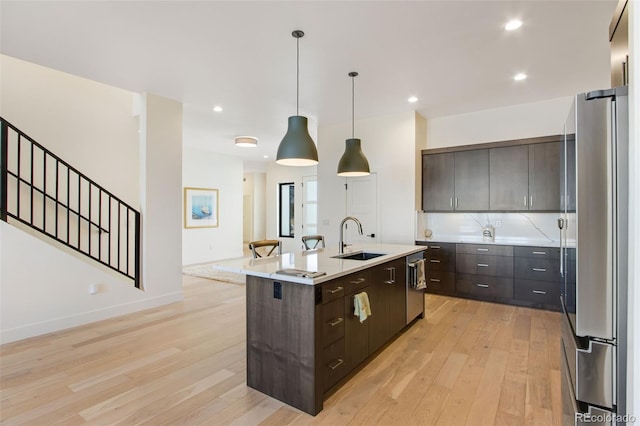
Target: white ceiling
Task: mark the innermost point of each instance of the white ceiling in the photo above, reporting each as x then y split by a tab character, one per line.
454	56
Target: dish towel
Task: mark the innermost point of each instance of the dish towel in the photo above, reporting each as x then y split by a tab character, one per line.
421	280
361	306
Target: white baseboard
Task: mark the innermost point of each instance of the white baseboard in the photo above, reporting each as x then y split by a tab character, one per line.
58	324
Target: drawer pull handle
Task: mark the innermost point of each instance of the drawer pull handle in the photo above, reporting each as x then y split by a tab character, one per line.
337	363
434	261
540	269
389	282
539	252
483	285
484	265
358	281
336	321
336	290
481	249
435	247
539	292
434	280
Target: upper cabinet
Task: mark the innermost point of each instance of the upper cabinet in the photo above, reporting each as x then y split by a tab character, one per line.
455	181
437	182
523	175
471	180
544	176
509	178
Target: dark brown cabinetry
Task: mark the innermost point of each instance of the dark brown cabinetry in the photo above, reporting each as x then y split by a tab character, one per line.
509	178
517	275
537	276
455	181
544	176
489	275
471	180
387	302
518	175
441	267
437	182
525	177
303	339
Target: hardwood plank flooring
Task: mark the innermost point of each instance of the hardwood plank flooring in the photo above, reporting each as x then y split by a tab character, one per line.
466	363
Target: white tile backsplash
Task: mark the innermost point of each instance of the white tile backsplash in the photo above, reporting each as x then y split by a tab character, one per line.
510	228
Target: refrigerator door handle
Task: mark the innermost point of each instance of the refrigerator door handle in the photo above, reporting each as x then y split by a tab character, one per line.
595	375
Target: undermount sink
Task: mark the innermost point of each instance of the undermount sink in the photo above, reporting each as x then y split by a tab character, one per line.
361	255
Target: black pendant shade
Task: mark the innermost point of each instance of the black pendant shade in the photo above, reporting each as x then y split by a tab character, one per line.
297	148
353	162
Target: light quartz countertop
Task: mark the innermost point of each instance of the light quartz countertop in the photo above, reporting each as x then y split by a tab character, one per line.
320	260
498	241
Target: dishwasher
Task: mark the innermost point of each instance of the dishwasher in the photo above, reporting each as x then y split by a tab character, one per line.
415	285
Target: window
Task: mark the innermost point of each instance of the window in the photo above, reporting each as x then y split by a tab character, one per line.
309	205
286	195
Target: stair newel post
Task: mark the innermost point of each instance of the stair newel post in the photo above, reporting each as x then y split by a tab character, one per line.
137	249
4	130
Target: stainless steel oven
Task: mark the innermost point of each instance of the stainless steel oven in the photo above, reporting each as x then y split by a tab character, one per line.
593	228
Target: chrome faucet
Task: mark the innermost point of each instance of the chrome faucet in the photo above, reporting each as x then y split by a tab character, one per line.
341	244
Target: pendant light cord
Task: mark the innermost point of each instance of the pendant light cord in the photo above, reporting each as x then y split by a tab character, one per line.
297	75
353	108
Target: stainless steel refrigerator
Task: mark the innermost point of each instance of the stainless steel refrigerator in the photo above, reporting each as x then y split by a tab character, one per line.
594	261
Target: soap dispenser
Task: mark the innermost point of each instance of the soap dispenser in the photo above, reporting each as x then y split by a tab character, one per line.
488	233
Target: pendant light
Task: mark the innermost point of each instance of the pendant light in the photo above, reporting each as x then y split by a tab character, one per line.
297	148
353	162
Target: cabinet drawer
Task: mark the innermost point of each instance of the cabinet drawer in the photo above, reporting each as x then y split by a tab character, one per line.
436	247
441	261
498	266
484	249
332	291
537	269
332	364
537	252
482	286
332	317
441	282
539	292
355	282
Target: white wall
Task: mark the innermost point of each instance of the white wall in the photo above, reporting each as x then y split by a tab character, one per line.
389	143
206	169
160	193
255	187
514	122
88	124
275	175
45	289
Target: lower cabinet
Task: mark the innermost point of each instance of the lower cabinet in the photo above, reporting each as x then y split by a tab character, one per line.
356	333
538	281
388	304
517	275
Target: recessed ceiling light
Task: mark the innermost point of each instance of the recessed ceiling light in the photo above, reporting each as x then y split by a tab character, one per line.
513	25
266	156
217	108
247	141
519	76
413	99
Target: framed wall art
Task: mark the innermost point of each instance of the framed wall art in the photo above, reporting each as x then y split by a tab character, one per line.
200	208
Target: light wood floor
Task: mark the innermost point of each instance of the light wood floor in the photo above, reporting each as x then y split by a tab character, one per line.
468	363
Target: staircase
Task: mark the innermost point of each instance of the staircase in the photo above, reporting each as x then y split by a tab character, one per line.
43	192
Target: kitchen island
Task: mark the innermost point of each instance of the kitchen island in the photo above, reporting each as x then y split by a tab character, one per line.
302	334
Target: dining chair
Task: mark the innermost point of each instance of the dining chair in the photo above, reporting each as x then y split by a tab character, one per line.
312	242
265	248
